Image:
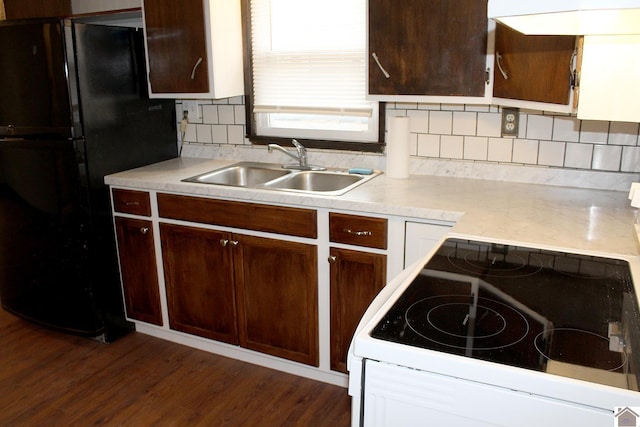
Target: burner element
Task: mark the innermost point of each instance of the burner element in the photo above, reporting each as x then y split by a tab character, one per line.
579	347
492	263
457	321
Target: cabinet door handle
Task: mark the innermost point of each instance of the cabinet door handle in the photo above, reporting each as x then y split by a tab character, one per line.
224	242
144	230
502	71
233	243
357	233
131	203
193	71
332	259
375	58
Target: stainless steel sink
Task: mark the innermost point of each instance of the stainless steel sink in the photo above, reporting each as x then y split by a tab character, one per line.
269	176
244	174
316	182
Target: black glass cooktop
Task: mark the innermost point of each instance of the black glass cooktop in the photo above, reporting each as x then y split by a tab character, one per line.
530	308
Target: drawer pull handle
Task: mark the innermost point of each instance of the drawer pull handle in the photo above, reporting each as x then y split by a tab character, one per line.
131	203
357	233
144	230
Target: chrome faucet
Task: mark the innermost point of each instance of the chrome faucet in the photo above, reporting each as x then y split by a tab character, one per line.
301	157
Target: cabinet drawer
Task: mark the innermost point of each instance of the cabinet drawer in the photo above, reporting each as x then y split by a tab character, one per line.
131	202
358	230
248	216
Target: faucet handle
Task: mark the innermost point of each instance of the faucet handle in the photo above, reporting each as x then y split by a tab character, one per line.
302	152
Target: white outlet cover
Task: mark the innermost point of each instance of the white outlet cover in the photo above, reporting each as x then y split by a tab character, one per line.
192	108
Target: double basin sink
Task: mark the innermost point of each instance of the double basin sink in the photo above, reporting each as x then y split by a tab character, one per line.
332	182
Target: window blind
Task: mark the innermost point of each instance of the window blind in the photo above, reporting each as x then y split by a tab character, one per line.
308	57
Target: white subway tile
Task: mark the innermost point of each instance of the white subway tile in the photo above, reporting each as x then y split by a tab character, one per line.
210	114
478	108
451	147
475	148
440	122
433	107
551	153
428	145
578	155
226	115
607	157
623	133
594	131
539	127
219	133
203	133
419	122
500	149
452	107
236	134
240	117
630	159
489	124
406	105
525	151
464	123
566	129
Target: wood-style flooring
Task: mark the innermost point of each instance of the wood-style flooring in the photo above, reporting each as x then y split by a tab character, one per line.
52	379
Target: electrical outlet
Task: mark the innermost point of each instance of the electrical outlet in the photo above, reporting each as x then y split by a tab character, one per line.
510	121
192	108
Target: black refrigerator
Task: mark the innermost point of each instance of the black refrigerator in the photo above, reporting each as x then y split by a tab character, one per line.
74	107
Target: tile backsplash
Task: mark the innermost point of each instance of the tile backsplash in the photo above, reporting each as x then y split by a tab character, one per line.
459	140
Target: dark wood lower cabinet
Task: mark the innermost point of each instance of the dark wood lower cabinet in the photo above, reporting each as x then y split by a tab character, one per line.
356	278
199	282
260	293
277	284
138	269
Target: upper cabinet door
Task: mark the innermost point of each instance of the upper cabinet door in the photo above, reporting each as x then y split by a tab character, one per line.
428	47
176	46
194	48
533	68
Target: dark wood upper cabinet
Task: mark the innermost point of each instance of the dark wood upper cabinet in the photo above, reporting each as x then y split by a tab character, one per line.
428	47
176	46
23	9
536	68
194	48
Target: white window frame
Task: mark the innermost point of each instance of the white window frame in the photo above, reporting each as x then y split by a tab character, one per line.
265	115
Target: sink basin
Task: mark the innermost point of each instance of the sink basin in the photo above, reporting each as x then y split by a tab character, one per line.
244	174
316	182
333	182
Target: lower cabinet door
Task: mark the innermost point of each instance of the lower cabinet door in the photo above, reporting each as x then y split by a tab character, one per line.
277	285
356	278
138	269
198	269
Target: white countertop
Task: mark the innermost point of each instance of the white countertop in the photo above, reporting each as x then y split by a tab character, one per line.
588	221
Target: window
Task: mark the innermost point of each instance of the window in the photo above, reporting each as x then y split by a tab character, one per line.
307	74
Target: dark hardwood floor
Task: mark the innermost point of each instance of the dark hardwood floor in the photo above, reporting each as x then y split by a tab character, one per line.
53	379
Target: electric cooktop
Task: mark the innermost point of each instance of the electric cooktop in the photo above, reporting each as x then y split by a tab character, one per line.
549	311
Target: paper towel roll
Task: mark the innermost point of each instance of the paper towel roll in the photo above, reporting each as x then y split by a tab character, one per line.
398	148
